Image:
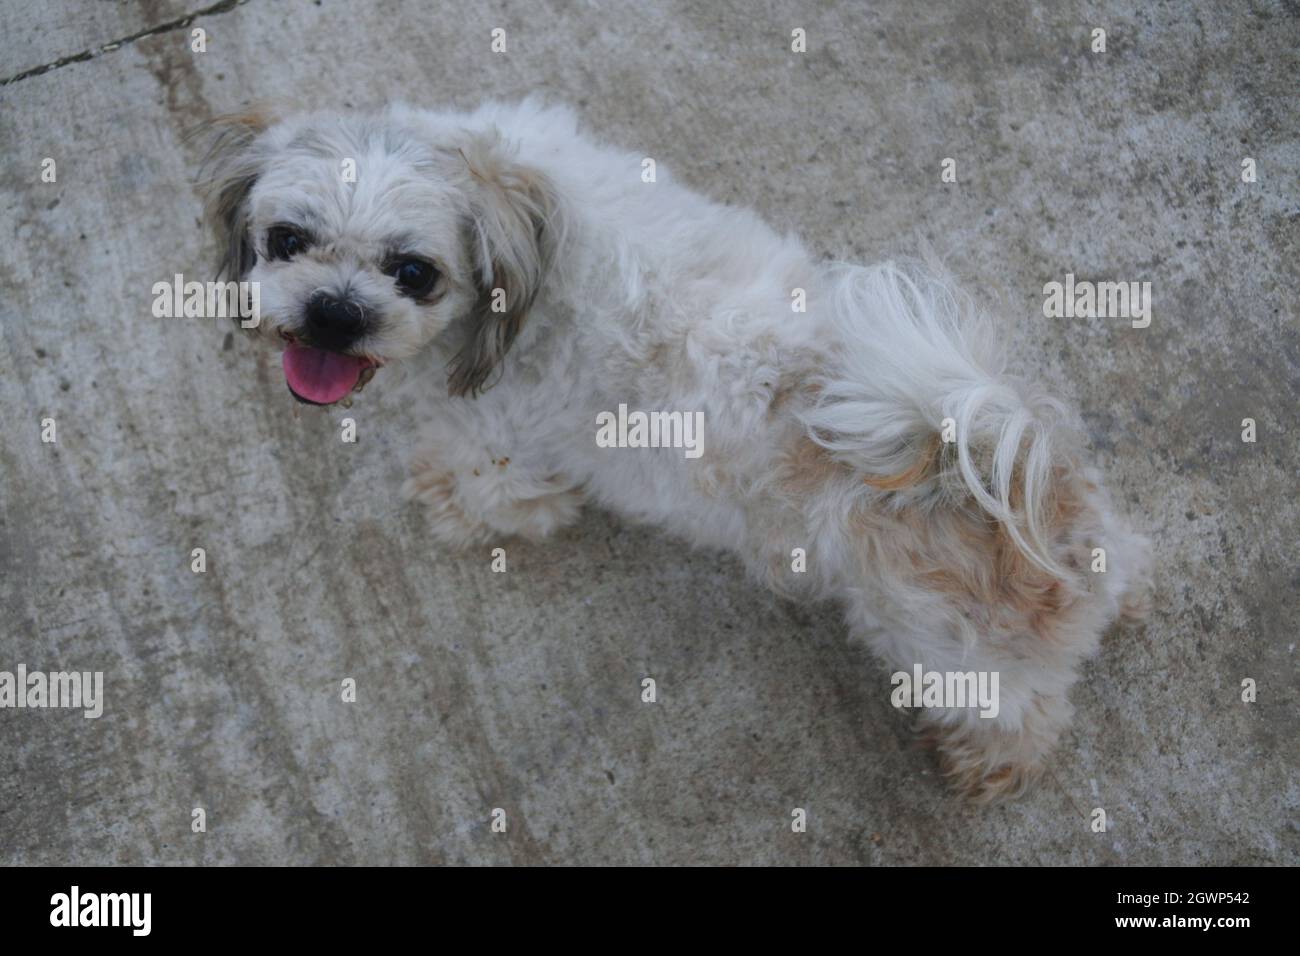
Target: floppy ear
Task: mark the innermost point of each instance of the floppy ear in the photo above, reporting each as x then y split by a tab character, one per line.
515	231
227	174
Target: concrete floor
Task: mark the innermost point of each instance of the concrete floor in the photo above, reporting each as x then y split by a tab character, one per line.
521	691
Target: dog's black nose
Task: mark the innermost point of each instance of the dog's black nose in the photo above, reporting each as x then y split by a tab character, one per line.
335	323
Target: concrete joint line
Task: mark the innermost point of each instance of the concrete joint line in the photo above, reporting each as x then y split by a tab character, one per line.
179	23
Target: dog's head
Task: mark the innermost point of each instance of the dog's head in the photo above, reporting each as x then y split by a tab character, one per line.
369	238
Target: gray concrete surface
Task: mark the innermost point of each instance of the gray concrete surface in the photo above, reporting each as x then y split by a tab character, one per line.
521	691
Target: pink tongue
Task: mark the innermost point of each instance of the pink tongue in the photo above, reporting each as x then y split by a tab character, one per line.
319	376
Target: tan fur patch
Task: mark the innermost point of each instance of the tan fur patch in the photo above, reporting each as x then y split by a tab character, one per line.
515	210
807	467
925	466
964	553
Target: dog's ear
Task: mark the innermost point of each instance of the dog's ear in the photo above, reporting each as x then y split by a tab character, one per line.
515	230
228	172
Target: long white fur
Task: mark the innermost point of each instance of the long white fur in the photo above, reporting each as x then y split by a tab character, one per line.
930	356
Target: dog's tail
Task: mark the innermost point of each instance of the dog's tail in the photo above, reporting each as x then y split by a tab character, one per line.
918	403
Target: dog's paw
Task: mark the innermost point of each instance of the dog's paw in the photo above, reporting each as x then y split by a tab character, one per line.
543	515
1136	604
968	770
475	507
983	785
435	488
989	764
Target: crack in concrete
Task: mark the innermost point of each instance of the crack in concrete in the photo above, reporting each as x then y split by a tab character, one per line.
179	23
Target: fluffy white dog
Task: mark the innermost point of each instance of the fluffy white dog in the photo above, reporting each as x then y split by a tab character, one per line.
859	439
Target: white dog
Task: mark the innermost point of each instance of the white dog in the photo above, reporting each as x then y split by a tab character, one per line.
859	439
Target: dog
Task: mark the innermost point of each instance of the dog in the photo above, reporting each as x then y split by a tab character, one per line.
860	441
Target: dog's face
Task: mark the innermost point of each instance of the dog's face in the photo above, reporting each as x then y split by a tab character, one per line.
371	238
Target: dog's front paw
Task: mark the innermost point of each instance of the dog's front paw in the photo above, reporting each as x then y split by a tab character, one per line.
473	506
435	487
543	515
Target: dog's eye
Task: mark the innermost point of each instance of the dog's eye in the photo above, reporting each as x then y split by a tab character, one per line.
415	277
284	242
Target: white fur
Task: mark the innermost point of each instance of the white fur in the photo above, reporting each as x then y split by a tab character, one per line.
653	296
